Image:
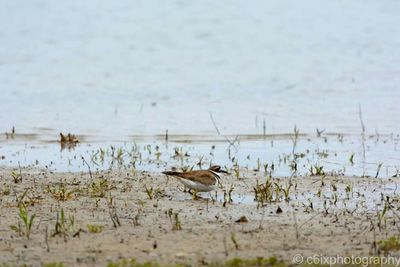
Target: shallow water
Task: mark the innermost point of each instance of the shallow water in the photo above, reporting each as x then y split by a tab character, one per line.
339	155
116	69
378	157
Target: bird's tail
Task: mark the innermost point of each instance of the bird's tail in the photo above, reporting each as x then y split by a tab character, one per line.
171	173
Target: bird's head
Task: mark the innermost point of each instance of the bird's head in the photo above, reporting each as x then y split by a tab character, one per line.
217	169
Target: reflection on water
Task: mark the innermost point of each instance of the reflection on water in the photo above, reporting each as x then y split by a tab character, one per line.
119	68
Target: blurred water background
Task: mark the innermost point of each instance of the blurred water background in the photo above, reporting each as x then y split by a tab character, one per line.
120	68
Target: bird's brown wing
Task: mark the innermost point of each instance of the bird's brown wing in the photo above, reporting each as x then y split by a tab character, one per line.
204	177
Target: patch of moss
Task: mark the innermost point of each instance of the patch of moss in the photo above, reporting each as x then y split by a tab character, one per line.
391	244
95	228
133	263
260	261
54	264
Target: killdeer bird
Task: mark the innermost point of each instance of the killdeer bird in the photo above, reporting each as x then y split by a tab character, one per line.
200	180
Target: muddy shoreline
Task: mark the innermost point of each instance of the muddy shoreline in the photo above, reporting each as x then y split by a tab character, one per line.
157	221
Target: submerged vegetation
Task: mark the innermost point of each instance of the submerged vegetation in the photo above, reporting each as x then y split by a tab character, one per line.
290	154
271	191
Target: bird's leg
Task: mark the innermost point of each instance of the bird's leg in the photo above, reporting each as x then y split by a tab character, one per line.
219	183
194	195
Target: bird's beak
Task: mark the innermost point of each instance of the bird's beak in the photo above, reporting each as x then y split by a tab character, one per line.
223	171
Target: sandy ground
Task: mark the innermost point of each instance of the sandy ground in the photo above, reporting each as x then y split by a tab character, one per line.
320	218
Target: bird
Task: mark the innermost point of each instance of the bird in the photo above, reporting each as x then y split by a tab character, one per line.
199	180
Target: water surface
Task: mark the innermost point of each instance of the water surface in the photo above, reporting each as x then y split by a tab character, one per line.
116	69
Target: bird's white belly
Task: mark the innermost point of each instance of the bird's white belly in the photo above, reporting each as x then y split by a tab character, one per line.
197	186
